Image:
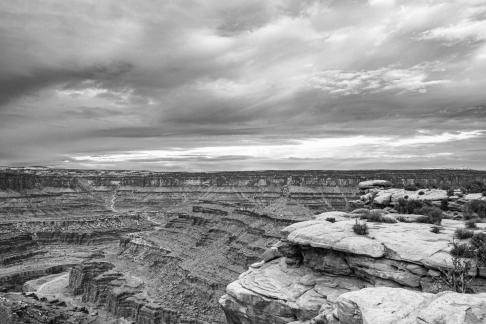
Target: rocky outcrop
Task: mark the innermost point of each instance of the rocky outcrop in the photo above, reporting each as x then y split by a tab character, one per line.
16	308
121	295
318	263
15	280
370	184
385	305
184	236
48	189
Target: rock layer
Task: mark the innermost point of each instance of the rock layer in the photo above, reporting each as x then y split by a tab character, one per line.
319	267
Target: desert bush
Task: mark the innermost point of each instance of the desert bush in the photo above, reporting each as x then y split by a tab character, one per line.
475	187
406	206
444	204
478	242
463	233
444	186
360	228
377	217
411	187
458	278
401	219
421	193
331	219
463	250
435	229
471	224
424	219
473	207
434	213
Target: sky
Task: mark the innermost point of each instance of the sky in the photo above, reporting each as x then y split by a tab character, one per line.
192	85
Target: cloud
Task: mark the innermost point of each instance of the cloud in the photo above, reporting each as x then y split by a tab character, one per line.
413	79
355	147
217	78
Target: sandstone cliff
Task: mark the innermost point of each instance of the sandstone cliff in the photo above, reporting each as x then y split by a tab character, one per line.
319	270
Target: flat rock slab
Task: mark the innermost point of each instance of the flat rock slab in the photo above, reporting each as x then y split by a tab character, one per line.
410	242
385	305
338	236
384	197
286	289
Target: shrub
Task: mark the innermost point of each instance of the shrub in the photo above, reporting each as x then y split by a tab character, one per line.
471	223
458	278
360	228
444	204
462	250
478	242
406	206
434	213
475	206
462	233
435	229
331	219
402	219
424	219
377	217
421	193
475	186
411	187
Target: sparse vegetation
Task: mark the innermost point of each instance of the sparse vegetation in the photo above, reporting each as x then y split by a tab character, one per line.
424	219
475	187
406	206
462	250
457	278
478	242
444	204
377	217
474	208
401	219
411	187
331	219
471	223
435	229
360	228
434	213
463	233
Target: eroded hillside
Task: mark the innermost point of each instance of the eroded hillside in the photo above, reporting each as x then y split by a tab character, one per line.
157	247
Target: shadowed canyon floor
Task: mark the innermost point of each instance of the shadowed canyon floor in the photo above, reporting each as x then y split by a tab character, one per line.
119	246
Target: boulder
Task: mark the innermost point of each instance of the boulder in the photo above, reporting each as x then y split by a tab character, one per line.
370	184
337	236
391	196
410	242
385	305
475	196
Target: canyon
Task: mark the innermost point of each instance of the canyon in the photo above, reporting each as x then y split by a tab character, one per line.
106	246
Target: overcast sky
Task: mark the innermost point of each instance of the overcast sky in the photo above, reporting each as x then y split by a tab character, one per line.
241	85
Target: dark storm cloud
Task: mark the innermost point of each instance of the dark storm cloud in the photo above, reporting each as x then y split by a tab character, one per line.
259	81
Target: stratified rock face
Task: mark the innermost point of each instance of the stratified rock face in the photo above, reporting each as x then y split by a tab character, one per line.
121	294
48	189
171	242
18	309
320	269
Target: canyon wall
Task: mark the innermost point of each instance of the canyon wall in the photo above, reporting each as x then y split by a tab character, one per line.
169	243
323	272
